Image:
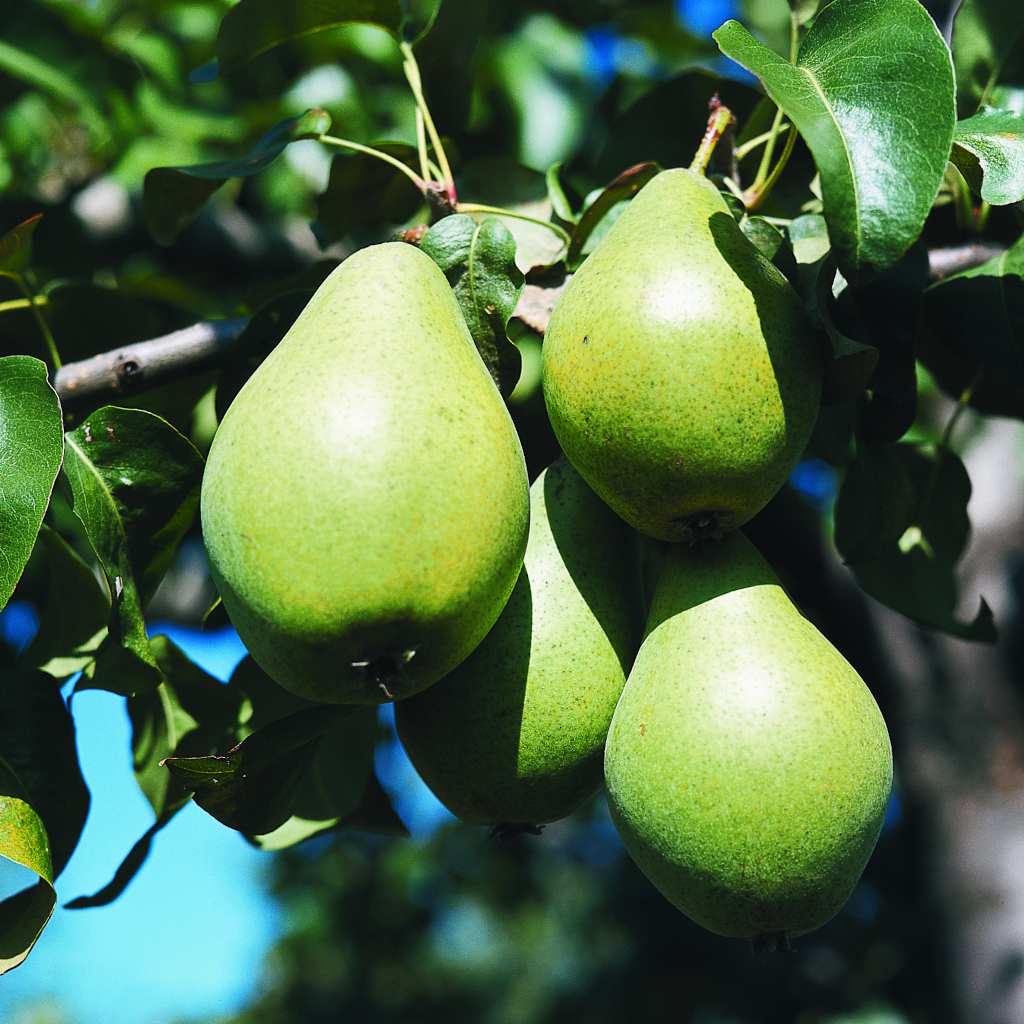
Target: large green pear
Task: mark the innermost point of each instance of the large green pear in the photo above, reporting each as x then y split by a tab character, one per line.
365	505
748	766
515	735
680	370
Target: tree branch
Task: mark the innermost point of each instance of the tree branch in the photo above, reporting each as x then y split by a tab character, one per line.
146	364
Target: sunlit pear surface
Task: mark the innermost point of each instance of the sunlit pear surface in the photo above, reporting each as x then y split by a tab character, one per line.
365	505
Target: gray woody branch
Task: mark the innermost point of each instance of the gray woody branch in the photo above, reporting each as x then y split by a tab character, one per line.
204	346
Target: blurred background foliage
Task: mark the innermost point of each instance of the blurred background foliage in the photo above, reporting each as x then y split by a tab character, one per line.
451	927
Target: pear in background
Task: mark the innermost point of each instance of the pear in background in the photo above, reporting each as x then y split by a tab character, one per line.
748	766
680	371
515	735
365	505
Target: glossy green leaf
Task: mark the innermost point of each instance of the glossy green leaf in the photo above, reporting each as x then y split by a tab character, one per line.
16	247
31	448
23	840
979	315
254	786
988	150
624	187
901	520
135	482
37	742
172	196
988	47
872	95
363	190
556	193
74	619
252	27
772	244
479	261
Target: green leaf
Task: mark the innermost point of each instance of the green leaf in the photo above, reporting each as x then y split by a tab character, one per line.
363	190
37	742
508	185
872	95
988	150
988	47
772	244
252	27
624	187
332	787
479	261
74	620
16	247
172	196
254	786
135	482
901	521
979	315
23	840
556	193
31	448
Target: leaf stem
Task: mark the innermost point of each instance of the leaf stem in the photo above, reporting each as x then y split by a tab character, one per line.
40	300
412	74
769	151
330	140
32	303
498	211
421	145
754	199
752	144
720	119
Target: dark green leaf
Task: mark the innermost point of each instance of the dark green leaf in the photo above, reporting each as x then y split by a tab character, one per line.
31	447
773	244
624	187
872	95
23	840
979	316
172	196
333	784
988	149
135	482
16	247
479	261
258	339
901	519
253	26
74	621
37	742
886	314
254	786
363	191
988	47
556	193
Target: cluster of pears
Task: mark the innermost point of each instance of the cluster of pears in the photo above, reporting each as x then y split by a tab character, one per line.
397	552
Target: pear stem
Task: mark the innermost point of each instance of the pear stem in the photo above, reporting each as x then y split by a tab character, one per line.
412	74
498	211
720	119
330	140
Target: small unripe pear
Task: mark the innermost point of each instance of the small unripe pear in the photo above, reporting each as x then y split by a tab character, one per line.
748	766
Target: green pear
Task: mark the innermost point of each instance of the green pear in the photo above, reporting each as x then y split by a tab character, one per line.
365	505
680	370
748	766
515	735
